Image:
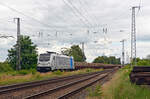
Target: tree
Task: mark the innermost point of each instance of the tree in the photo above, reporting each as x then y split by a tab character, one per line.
107	60
28	54
99	60
112	60
143	62
76	52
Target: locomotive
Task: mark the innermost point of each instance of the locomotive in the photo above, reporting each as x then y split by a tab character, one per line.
51	61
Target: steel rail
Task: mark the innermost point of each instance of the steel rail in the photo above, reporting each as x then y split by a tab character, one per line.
67	95
34	96
9	88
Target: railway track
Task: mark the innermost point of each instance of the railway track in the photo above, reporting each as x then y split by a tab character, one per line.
6	89
59	87
102	80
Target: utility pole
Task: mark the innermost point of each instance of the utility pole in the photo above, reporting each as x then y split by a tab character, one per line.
123	51
82	43
133	37
18	66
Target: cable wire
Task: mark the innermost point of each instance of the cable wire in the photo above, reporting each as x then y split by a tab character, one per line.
15	10
74	7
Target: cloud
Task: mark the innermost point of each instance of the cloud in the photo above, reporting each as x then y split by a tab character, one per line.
63	26
144	38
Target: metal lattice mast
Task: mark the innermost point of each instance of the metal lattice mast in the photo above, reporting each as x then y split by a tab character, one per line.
133	37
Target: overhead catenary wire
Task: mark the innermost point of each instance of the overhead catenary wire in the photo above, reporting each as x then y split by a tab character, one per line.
15	10
83	3
20	12
76	9
57	16
140	2
47	25
77	13
74	12
60	18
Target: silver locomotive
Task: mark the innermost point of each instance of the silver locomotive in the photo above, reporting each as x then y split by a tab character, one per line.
53	61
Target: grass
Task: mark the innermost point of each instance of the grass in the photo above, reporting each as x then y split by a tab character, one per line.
95	93
120	87
14	77
58	72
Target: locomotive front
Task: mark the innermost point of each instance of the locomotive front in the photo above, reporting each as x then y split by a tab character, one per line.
44	62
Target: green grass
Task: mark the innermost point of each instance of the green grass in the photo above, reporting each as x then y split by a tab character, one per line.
5	67
95	93
21	72
58	72
120	87
126	90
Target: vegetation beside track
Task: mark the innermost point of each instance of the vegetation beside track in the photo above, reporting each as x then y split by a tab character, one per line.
120	87
21	76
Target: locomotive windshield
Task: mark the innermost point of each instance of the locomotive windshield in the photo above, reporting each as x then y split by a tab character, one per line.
44	57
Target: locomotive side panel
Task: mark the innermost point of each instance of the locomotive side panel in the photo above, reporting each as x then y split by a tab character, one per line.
63	62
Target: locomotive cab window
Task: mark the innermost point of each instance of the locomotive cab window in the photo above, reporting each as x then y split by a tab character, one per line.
44	57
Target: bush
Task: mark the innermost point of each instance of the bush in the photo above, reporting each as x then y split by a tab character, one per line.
58	72
5	67
88	70
33	71
143	62
14	73
23	72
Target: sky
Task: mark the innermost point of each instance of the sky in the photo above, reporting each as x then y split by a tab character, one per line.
55	24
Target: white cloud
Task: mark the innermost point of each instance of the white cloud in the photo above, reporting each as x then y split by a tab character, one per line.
53	15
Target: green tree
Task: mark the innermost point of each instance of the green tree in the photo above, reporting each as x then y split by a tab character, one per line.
76	52
143	63
107	60
112	60
28	54
99	60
